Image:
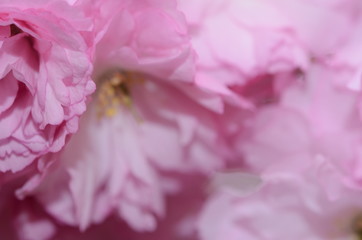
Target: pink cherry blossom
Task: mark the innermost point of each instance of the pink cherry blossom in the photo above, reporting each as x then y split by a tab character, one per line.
241	44
286	206
184	89
45	79
112	163
315	119
147	36
330	34
141	127
178	223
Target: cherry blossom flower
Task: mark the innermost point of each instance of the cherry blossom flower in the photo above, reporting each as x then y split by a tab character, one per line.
45	79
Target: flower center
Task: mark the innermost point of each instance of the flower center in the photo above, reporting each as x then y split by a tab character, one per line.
114	92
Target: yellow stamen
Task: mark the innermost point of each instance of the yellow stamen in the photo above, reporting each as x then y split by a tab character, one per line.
114	92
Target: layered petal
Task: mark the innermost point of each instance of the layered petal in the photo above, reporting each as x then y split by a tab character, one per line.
45	79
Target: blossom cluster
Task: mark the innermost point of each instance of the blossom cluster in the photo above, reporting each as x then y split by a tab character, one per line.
181	119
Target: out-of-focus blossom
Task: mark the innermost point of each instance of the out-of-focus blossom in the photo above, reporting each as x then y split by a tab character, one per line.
111	163
141	125
315	120
287	206
44	79
331	34
244	45
241	45
23	219
179	222
30	221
